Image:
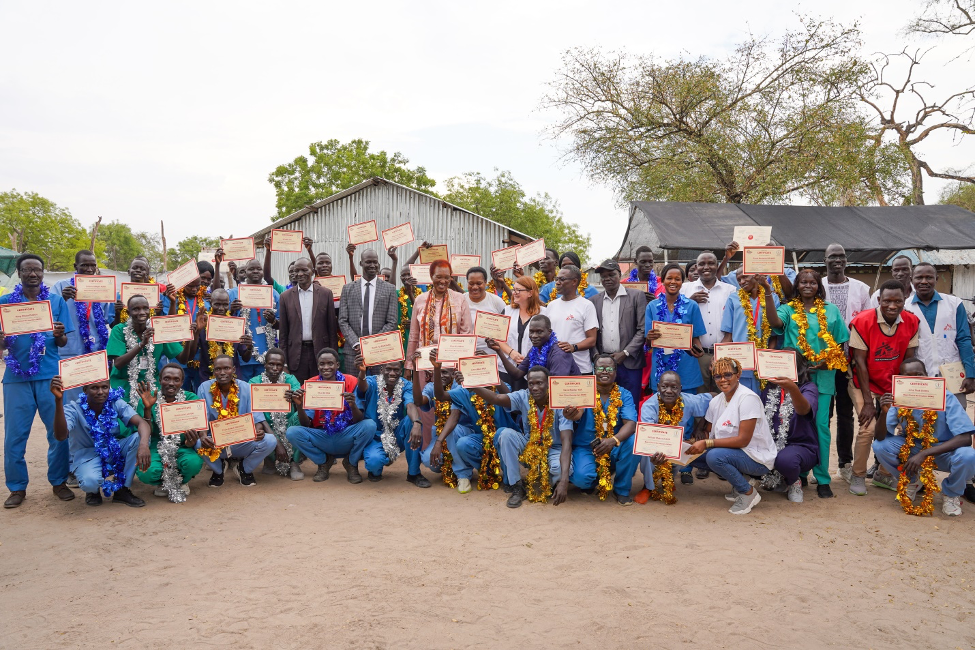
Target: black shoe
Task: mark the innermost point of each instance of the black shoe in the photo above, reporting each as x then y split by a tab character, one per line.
419	481
93	498
968	492
374	478
626	500
589	491
701	473
687	478
803	481
352	472
506	488
125	495
247	479
824	492
870	474
518	495
217	480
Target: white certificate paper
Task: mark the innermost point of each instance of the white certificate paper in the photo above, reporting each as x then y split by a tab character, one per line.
479	371
677	336
286	241
433	254
744	353
773	364
398	235
505	258
421	273
752	235
240	249
452	347
492	326
927	393
362	233
256	296
531	252
579	391
177	417
334	283
84	369
650	439
171	329
95	288
183	275
763	260
387	347
26	317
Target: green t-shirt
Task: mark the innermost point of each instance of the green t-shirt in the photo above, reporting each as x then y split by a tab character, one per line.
823	379
154	439
116	347
279	288
293	418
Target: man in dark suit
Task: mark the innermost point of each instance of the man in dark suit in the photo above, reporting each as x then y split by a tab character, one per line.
621	314
367	306
306	322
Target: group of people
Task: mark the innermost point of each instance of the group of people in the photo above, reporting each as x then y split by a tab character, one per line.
752	433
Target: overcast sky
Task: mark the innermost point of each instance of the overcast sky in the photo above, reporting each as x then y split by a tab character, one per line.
179	111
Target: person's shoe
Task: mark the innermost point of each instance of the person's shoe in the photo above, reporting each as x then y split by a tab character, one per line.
464	486
505	487
322	473
93	498
732	495
844	472
642	496
217	480
352	472
374	478
968	493
518	495
295	472
795	494
247	478
186	488
15	499
701	473
63	492
781	486
871	470
885	480
268	467
686	478
803	481
160	491
951	506
745	502
625	499
857	486
419	481
911	490
824	491
125	495
71	481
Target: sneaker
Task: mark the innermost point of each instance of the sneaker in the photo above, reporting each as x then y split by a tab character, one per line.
745	502
464	486
160	491
247	478
871	470
295	472
824	492
885	480
419	480
186	488
844	472
794	493
732	495
625	499
71	481
687	478
518	495
951	506
352	472
701	473
857	486
125	495
217	480
374	478
93	498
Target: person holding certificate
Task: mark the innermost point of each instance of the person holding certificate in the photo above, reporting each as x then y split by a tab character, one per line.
546	275
711	295
438	311
644	272
228	397
191	300
673	307
139	273
306	321
367	306
103	456
953	452
602	442
323	435
262	323
573	318
781	284
545	351
746	318
279	422
31	362
816	330
525	305
173	459
220	301
739	442
550	292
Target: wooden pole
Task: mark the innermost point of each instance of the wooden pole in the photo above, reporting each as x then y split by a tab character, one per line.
162	237
94	234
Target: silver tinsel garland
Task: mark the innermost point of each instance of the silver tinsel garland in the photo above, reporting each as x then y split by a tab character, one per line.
785	412
172	480
387	413
279	424
270	338
132	341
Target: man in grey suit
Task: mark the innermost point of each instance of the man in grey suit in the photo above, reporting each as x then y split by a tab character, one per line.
367	306
621	315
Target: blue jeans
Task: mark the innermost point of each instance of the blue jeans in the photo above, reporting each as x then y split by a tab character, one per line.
510	443
375	458
623	465
959	463
251	453
631	381
87	465
731	464
22	400
316	443
465	446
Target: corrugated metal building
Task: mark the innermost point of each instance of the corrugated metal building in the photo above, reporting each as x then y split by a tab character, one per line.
390	204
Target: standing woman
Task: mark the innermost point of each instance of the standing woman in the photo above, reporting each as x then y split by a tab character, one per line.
438	311
525	305
673	307
745	318
816	330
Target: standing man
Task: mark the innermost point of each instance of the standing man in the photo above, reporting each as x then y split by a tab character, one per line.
850	297
944	331
902	272
711	296
32	360
367	306
573	318
621	327
306	322
261	324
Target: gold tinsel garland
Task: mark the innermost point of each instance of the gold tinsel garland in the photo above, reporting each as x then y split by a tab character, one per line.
536	455
762	339
540	279
490	471
505	296
777	289
833	353
926	440
404	306
442	409
604	426
581	291
663	473
182	308
223	413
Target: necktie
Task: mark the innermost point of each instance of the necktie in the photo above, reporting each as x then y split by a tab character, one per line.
365	325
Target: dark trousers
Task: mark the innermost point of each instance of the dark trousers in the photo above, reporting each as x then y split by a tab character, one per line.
794	460
843	408
630	380
308	366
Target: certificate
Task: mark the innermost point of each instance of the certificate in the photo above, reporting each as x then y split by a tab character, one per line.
324	395
286	241
387	347
177	417
95	288
505	258
84	369
772	364
148	291
240	249
927	393
650	439
362	233
421	273
479	371
686	458
677	336
334	283
269	398
433	254
26	317
492	326
744	353
531	252
765	260
423	362
637	286
233	430
461	263
452	347
225	329
256	296
171	329
752	235
183	275
579	391
954	375
398	235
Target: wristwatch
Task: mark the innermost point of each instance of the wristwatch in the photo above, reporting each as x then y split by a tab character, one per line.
574	347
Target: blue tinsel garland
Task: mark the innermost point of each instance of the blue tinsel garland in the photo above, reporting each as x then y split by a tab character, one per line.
37	339
106	444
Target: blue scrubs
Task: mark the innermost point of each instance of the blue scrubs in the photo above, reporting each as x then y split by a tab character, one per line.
251	453
623	461
544	293
256	326
86	464
688	366
694	405
374	456
734	323
76	346
510	442
191	376
467	440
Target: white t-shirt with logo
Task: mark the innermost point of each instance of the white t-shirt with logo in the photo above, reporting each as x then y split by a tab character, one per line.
725	420
570	320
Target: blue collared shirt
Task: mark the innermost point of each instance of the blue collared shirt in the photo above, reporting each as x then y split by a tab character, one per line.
949	423
51	354
256	326
368	403
964	343
75	345
519	401
243	406
694	405
688	366
80	434
584	429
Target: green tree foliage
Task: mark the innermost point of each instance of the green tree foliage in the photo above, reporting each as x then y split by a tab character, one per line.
30	223
502	199
121	245
333	166
189	248
152	250
960	193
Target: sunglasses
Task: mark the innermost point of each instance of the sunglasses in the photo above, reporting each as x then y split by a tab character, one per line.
725	375
604	368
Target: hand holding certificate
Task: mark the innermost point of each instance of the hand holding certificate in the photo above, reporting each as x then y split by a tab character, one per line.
479	371
505	258
677	336
954	375
763	260
334	283
171	329
233	430
84	369
492	326
651	439
238	250
743	353
433	254
423	362
256	296
577	392
286	241
774	364
183	275
377	349
531	252
362	233
927	393
269	398
26	318
148	291
324	395
177	417
95	288
452	347
752	235
398	235
225	329
421	273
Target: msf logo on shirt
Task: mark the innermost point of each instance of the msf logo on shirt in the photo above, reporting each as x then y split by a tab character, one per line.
570	317
886	352
727	423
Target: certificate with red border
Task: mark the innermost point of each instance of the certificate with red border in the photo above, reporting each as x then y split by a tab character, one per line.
505	258
334	283
148	291
579	391
95	288
744	353
927	393
362	233
677	336
650	439
398	235
225	329
765	260
531	252
26	317
286	241
452	347
460	264
479	371
771	364
387	347
256	296
324	395
433	254
233	430
177	417
492	326
183	275
421	273
270	398
171	329
239	249
84	369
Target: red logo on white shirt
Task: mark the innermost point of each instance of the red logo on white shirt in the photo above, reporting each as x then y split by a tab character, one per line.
727	423
570	317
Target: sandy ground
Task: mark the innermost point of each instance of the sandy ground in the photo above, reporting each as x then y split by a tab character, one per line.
334	565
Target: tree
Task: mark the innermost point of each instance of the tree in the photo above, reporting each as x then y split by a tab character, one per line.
961	194
333	166
121	245
152	249
31	223
944	17
189	248
502	199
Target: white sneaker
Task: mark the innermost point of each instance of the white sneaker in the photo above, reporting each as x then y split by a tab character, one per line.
295	472
794	493
160	491
951	506
745	502
845	472
186	489
464	486
732	495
